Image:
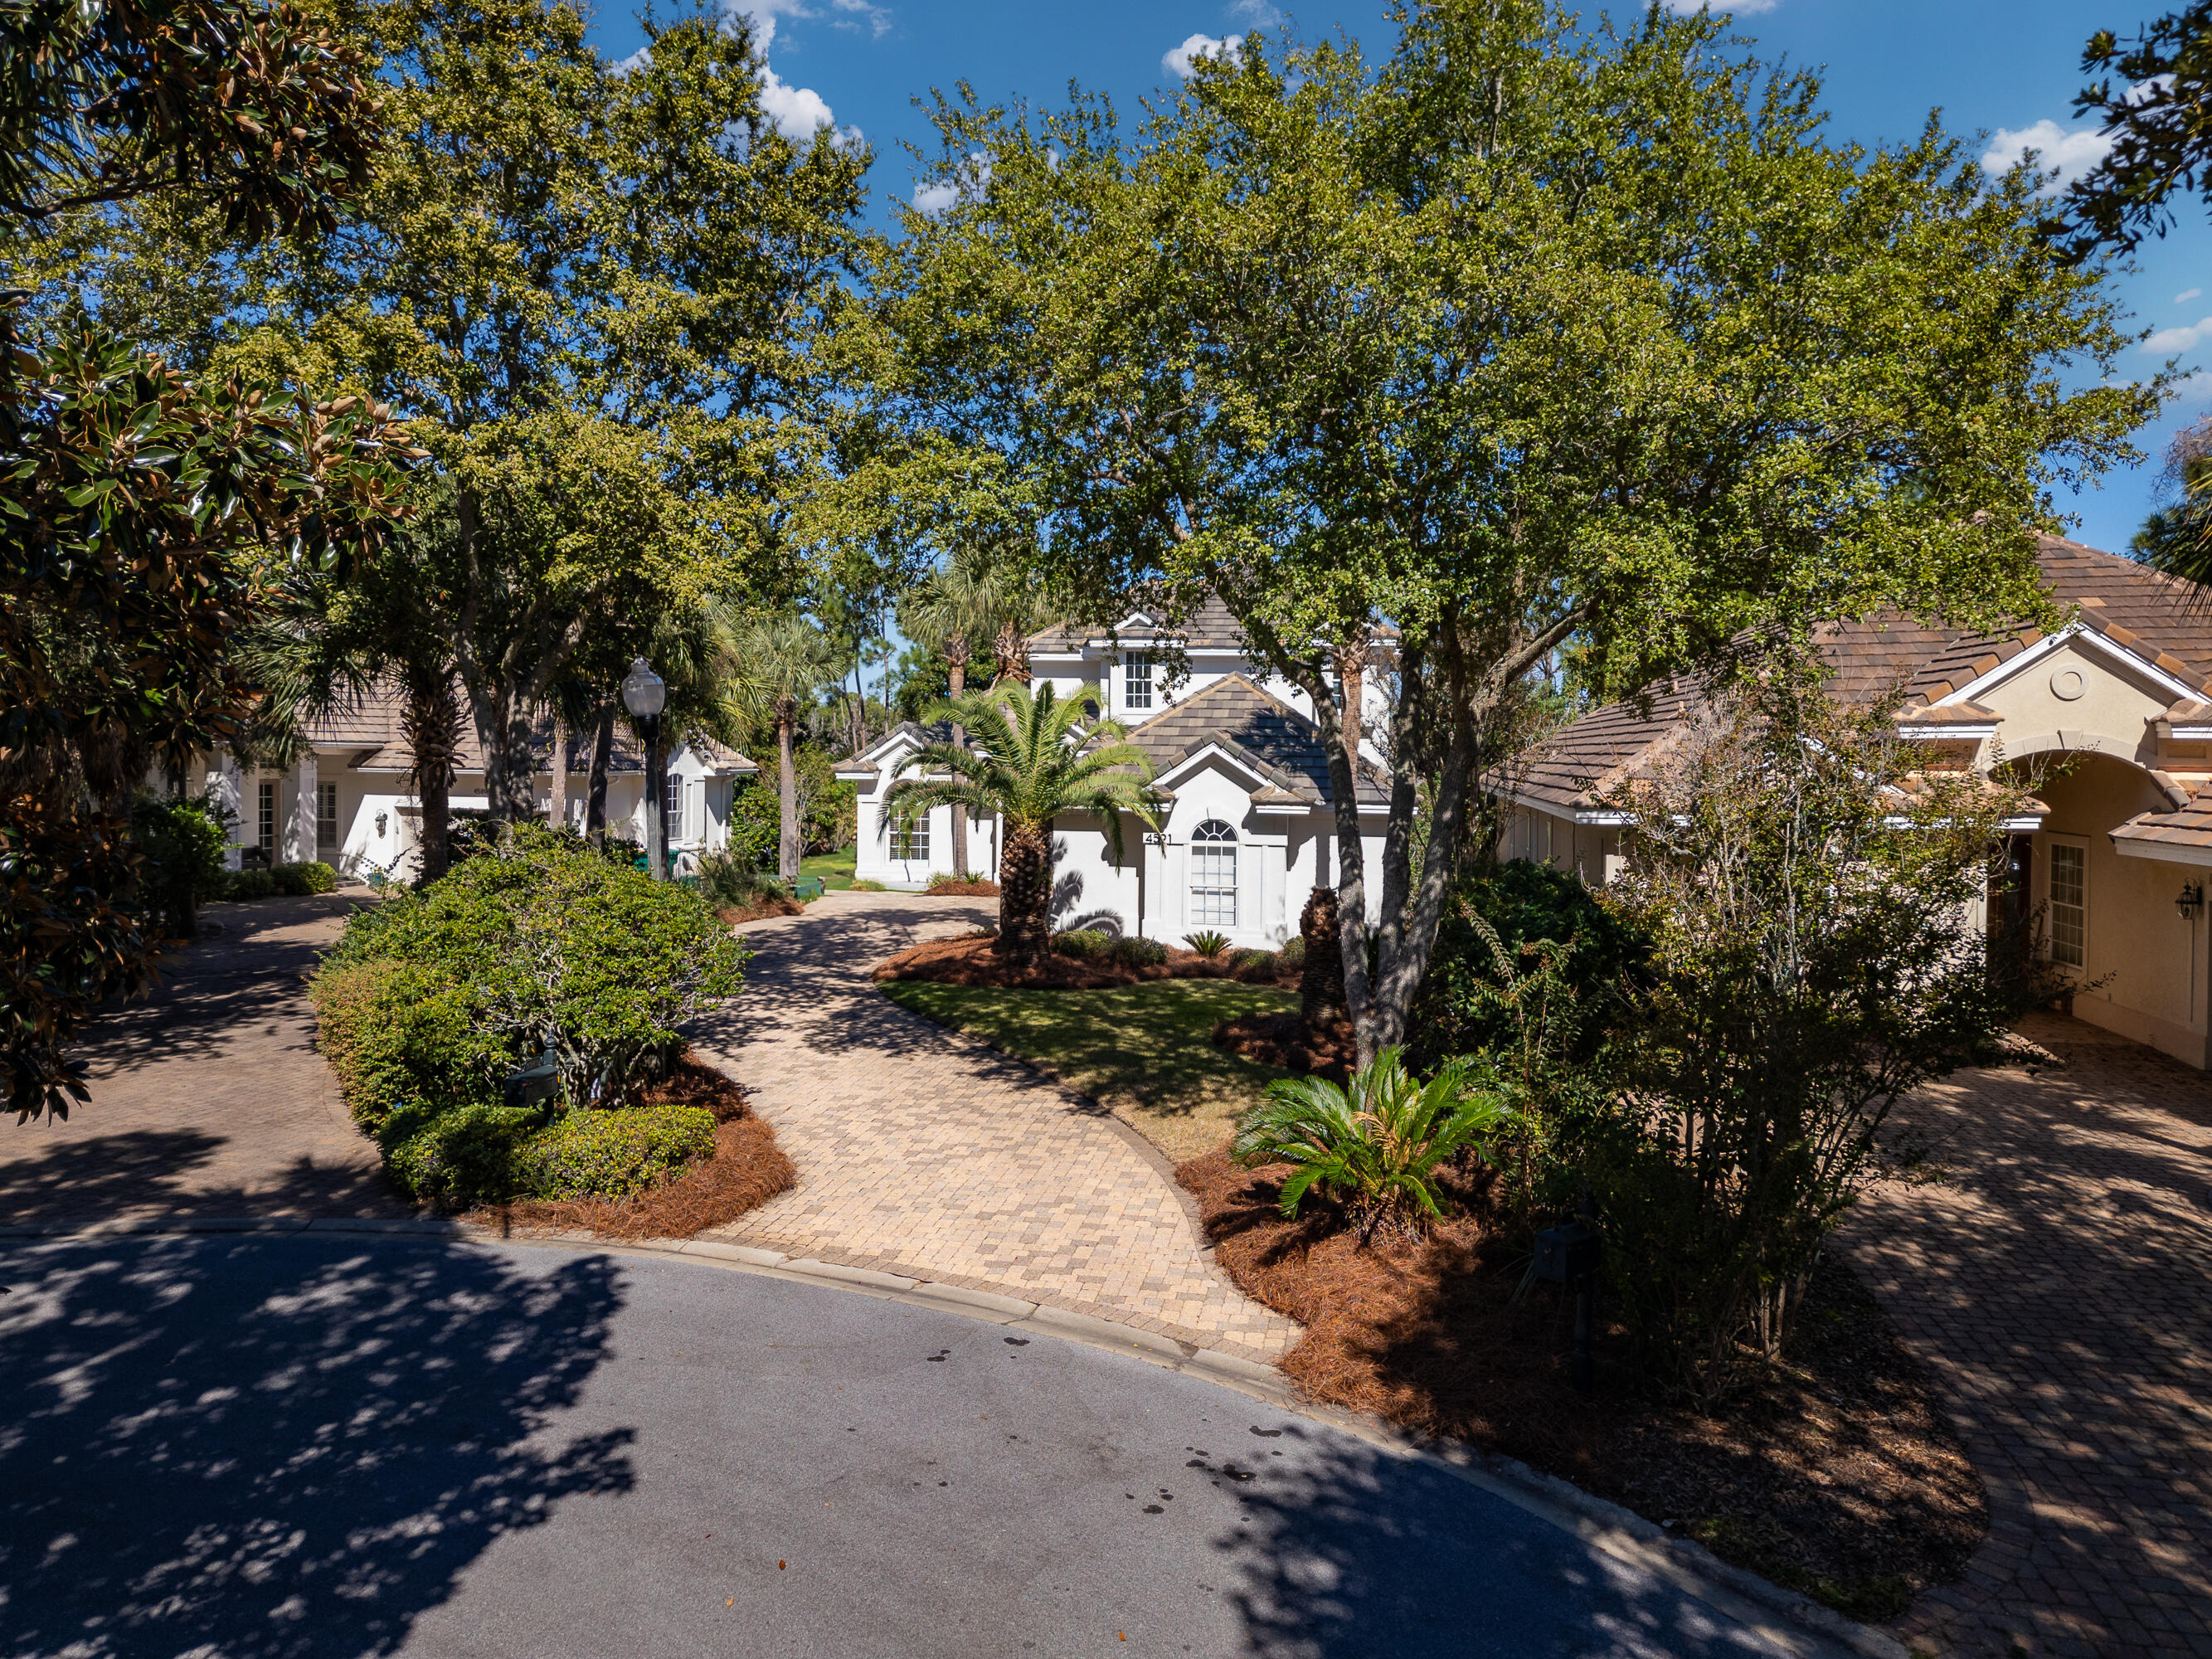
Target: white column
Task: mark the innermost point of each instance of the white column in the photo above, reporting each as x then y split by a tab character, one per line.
228	791
299	827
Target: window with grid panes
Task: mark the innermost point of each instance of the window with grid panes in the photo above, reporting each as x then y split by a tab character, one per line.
1214	875
2069	904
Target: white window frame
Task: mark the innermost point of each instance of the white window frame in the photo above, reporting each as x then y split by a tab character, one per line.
327	823
1138	684
910	841
264	819
1214	855
671	792
2054	908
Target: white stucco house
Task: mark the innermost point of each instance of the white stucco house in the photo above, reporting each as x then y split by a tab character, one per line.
2110	716
347	802
1247	829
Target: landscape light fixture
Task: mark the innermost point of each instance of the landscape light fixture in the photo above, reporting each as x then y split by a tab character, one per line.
2191	902
645	694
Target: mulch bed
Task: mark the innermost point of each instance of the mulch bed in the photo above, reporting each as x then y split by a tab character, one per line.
747	1170
973	960
978	888
1838	1477
1281	1040
761	904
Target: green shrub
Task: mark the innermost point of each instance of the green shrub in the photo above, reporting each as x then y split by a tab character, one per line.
610	1154
1458	1010
431	998
1131	952
1256	967
247	885
1208	944
724	880
1376	1146
300	880
869	885
1292	957
756	821
1084	944
182	842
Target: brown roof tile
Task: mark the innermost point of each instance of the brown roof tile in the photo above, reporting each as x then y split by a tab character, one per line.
1273	739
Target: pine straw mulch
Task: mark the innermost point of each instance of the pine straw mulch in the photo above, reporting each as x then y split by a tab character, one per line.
747	1170
1279	1040
976	887
760	904
1839	1476
973	959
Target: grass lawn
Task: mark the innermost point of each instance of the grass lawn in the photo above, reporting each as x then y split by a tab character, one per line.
1140	1050
835	868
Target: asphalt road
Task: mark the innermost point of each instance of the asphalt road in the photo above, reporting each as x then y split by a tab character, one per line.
322	1446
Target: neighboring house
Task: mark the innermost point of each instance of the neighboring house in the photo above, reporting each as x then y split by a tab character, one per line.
347	802
1246	830
2119	854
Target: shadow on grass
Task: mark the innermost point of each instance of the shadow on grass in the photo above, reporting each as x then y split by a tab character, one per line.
1147	1046
279	1448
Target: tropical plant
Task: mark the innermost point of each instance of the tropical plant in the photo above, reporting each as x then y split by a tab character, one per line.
1377	1144
774	667
183	840
1208	944
1035	756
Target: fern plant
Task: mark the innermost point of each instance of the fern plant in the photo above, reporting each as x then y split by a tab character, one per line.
1377	1144
1209	944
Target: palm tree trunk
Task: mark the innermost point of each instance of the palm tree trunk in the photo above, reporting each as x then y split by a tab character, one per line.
595	798
1011	651
787	863
1024	893
430	724
958	677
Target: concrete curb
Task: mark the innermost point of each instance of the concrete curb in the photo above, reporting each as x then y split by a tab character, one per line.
1791	1621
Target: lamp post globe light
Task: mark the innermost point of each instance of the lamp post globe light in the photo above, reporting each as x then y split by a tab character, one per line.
645	694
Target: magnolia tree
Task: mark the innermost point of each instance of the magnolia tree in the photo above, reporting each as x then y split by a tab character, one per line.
1531	334
1812	904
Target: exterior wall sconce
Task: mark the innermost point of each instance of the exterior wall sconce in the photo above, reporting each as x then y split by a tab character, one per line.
381	818
2191	902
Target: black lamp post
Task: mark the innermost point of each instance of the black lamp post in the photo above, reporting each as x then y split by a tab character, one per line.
645	694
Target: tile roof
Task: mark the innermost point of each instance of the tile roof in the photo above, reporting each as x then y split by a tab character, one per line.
371	728
2162	622
2189	825
1270	737
1209	627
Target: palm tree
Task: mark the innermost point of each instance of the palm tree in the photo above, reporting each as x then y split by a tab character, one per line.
1036	755
773	668
978	599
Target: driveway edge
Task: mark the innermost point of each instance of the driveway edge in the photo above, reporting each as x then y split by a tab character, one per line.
1782	1616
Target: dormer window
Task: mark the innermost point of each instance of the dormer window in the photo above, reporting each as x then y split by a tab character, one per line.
1137	681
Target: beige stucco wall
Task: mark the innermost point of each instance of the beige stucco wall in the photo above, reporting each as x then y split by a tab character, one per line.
2113	713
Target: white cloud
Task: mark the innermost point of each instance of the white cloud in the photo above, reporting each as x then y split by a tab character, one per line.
2193	388
2068	151
2168	341
798	112
637	59
1741	7
2187	295
1258	13
940	194
1183	60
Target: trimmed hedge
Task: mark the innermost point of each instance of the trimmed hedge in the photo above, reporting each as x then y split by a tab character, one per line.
593	1154
291	880
431	999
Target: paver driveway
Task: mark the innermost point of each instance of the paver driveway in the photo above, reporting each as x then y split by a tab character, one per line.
2060	1283
923	1152
209	1098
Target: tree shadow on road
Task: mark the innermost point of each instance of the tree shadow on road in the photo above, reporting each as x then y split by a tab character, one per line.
157	1172
279	1449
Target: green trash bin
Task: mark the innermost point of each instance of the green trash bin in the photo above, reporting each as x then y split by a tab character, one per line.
806	887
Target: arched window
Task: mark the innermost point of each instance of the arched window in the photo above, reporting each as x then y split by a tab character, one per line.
1214	875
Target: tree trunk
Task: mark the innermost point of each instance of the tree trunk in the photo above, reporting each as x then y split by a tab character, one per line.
1024	893
430	725
1013	653
1321	1011
958	683
556	768
787	859
595	800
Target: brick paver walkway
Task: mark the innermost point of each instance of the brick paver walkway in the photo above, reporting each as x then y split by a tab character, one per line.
925	1153
207	1098
2060	1284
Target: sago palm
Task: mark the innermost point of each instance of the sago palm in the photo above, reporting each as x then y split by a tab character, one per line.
1033	754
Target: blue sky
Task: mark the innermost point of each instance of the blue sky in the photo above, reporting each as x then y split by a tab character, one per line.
1999	68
